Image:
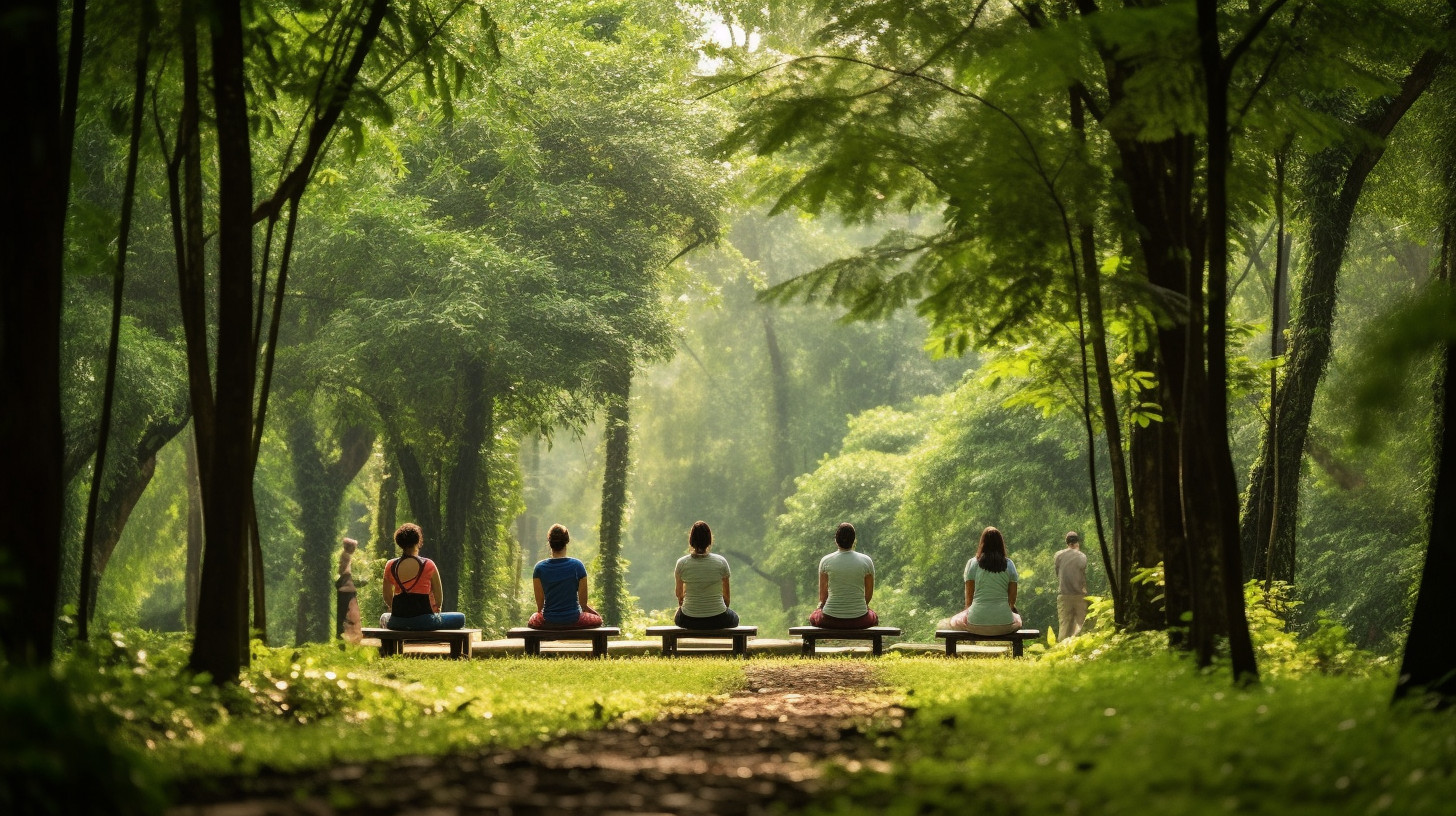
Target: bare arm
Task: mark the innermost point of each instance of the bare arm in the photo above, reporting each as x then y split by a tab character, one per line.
970	593
581	596
1011	594
437	594
679	590
869	587
540	594
726	602
388	596
823	588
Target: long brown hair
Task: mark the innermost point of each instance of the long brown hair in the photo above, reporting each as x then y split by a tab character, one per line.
991	552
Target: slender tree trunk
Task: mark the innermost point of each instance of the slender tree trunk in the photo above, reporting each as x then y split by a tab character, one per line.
221	645
1429	663
781	452
194	532
614	498
1338	178
483	542
423	500
32	224
384	516
528	523
1215	459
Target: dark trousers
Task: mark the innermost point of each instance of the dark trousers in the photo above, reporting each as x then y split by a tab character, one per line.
343	611
727	619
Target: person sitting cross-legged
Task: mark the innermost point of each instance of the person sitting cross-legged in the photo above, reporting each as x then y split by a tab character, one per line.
412	593
561	587
990	590
846	585
702	585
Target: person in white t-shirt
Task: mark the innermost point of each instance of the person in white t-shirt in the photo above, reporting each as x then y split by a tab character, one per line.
846	586
701	581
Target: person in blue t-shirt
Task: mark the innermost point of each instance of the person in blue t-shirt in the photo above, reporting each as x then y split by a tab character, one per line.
560	584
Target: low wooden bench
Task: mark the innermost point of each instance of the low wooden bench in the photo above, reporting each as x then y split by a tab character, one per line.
670	635
875	634
597	636
391	641
956	636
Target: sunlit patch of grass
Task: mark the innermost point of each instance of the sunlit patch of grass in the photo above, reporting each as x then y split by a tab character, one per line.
1152	735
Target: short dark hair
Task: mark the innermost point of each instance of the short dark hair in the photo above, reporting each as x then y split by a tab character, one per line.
991	551
408	535
1073	538
700	538
557	537
844	536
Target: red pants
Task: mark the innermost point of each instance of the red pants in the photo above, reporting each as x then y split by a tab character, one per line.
586	620
823	621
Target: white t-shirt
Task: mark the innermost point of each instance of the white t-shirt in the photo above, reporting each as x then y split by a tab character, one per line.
846	570
702	577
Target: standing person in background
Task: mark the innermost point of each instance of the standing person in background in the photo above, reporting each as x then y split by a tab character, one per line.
990	590
1071	566
561	588
346	622
702	584
846	586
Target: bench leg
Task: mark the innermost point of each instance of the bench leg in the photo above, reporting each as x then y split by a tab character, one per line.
951	645
878	646
1016	648
740	645
533	646
599	646
808	646
669	646
457	649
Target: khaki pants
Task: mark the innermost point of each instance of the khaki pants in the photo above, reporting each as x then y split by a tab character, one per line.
1071	615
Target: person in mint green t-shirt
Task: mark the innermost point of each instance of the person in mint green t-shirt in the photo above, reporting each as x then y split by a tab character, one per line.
701	580
990	590
846	585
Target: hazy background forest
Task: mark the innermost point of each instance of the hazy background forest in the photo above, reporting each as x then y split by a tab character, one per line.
462	223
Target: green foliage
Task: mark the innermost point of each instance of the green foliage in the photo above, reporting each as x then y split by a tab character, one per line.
1148	733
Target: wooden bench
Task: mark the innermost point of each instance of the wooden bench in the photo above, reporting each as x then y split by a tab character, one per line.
391	641
597	636
670	635
875	634
955	636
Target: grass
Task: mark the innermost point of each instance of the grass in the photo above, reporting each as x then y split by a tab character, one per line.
1151	735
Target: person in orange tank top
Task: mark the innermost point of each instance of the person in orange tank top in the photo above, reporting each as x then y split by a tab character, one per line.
412	594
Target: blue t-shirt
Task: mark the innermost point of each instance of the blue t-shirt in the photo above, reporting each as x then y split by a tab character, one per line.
560	578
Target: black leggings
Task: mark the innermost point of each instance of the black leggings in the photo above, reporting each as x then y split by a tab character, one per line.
726	619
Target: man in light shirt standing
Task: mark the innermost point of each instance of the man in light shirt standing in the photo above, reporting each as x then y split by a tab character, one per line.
846	585
1071	566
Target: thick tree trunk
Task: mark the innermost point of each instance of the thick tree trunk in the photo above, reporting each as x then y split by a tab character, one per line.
32	223
464	476
221	645
385	513
1429	663
1145	450
320	486
614	498
1337	178
482	544
424	502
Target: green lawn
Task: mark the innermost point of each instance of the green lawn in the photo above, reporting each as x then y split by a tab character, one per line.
1152	736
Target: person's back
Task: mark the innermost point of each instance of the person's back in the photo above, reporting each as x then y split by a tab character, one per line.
702	584
560	585
846	586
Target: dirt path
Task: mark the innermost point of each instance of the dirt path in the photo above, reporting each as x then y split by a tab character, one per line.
762	749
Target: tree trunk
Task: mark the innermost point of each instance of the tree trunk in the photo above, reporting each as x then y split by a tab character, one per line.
32	224
528	526
781	452
482	543
194	532
614	498
1150	529
464	475
320	486
424	502
1338	177
221	645
385	513
1429	663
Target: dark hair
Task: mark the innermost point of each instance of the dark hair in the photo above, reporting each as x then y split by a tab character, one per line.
844	536
557	537
700	538
408	535
991	552
1073	538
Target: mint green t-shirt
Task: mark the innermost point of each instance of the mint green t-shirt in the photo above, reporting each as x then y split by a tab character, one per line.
702	577
991	603
846	570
